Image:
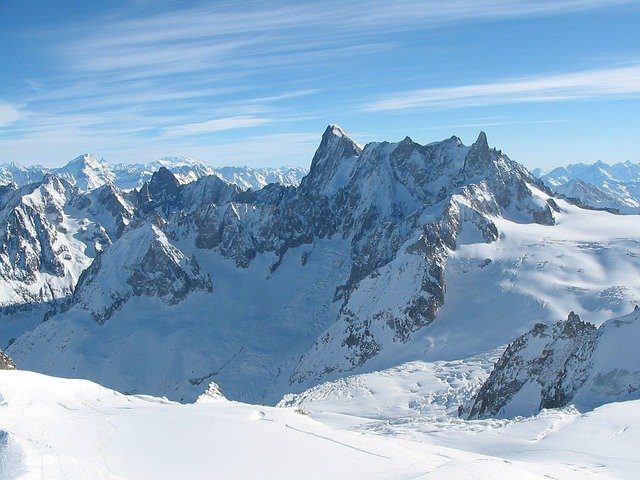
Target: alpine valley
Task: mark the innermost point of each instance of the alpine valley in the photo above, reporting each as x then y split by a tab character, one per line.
430	293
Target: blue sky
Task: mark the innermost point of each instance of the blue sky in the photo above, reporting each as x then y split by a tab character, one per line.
232	83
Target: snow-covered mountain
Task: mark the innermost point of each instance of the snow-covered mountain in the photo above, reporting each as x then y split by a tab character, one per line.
44	246
257	178
598	185
134	175
21	175
367	264
87	173
570	362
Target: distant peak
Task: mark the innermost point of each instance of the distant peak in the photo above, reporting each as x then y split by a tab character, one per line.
85	159
573	317
179	160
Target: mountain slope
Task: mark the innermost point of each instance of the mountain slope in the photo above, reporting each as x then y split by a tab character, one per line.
571	362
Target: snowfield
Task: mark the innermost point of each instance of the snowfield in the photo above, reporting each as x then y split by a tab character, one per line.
75	429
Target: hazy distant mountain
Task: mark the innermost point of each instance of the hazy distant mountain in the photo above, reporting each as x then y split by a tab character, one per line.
598	185
86	172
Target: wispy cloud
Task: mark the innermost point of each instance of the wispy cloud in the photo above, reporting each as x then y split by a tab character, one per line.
9	113
171	73
613	82
197	38
215	125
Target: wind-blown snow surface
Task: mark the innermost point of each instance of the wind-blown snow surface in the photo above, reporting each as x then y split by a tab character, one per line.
74	429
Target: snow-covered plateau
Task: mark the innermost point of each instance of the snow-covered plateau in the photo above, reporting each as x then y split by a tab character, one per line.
401	308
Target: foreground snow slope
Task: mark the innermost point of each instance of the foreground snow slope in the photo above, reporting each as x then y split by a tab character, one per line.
74	429
419	400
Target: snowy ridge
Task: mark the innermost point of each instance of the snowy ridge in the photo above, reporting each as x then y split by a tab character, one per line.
12	173
257	178
143	262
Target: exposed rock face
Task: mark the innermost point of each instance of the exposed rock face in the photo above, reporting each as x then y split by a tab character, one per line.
5	362
570	362
39	254
554	358
406	205
143	263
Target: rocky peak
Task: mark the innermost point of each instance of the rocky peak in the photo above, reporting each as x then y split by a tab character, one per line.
5	362
479	158
86	172
481	142
142	263
163	190
83	161
213	394
552	360
332	162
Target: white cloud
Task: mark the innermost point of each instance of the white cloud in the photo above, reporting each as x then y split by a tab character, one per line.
9	113
591	84
215	125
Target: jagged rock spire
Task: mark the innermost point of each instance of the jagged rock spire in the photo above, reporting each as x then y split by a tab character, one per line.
336	148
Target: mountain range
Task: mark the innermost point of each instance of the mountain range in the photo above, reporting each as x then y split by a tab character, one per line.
599	185
86	173
383	254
